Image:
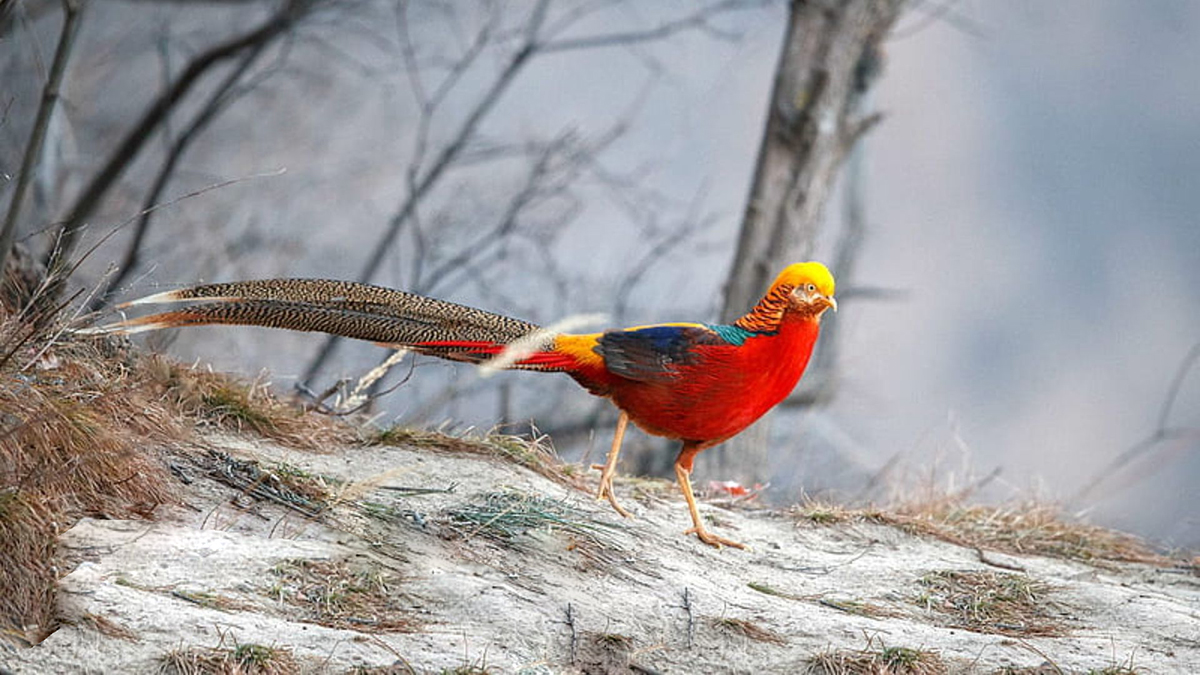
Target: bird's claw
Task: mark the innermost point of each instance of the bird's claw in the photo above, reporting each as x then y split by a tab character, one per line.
714	540
605	491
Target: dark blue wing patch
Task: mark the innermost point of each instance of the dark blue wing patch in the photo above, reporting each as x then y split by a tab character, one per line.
655	353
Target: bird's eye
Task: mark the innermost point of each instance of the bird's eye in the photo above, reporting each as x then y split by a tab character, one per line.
812	288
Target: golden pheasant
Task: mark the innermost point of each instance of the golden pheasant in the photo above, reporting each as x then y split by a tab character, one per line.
697	383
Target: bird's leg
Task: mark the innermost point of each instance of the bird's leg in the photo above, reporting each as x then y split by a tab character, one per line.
609	468
683	475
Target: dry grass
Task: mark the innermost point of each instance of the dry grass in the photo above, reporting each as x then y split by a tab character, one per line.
246	659
398	668
767	589
106	626
857	607
75	421
847	605
84	429
534	453
228	403
604	652
1048	668
466	670
339	594
1025	528
283	484
507	514
990	602
877	661
205	599
84	424
1119	669
749	630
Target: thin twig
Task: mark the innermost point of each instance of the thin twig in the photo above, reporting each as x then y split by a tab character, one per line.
445	158
216	102
1161	433
131	145
698	20
574	635
73	12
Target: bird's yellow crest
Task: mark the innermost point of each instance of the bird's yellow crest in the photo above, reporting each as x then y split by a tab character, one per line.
801	274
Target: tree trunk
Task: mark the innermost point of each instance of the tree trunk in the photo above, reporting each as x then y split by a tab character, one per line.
830	54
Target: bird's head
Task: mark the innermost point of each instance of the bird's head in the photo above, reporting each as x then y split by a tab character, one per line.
811	288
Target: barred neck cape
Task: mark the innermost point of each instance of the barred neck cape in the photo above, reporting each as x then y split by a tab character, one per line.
695	382
769	312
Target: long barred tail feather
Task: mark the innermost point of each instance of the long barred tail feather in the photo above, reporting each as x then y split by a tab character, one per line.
348	296
348	309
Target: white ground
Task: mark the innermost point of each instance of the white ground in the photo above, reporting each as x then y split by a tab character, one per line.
504	606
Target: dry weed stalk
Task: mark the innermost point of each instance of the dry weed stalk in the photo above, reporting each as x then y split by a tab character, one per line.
227	403
534	452
84	425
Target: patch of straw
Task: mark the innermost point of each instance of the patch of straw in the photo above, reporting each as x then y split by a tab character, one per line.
339	594
1024	528
879	660
245	659
983	601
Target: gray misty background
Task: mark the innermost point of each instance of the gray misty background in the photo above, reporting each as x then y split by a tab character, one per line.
1033	194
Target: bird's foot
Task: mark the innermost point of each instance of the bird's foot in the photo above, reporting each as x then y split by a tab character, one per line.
714	540
605	491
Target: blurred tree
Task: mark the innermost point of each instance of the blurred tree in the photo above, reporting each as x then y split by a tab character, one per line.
830	57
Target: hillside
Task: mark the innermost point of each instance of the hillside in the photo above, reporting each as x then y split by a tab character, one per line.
273	541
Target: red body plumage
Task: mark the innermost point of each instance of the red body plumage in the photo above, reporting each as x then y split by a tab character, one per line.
726	389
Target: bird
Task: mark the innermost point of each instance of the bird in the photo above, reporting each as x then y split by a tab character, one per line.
697	383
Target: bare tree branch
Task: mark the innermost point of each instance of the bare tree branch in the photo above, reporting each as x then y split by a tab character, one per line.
445	158
155	114
503	227
27	11
943	11
698	20
1162	431
534	36
72	13
217	101
688	226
